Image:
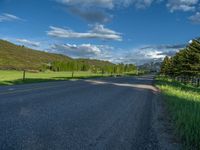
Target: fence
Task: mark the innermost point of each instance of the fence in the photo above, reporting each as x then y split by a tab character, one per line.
195	81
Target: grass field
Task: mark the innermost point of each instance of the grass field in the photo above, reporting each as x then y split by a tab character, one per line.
184	106
15	77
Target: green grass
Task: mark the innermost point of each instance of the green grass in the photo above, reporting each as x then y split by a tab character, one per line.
15	77
183	103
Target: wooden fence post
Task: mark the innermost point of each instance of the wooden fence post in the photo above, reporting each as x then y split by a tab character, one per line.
198	82
24	75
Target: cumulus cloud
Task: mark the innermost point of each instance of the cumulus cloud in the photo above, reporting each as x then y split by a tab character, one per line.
88	3
195	18
83	50
139	56
148	54
107	4
95	10
143	3
8	17
28	42
164	47
98	31
91	15
182	5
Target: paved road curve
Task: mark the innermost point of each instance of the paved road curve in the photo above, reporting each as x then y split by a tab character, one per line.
95	114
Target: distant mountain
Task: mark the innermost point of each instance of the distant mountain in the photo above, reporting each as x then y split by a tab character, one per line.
151	67
19	57
95	62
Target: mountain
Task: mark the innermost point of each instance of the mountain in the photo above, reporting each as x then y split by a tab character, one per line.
20	57
95	62
151	67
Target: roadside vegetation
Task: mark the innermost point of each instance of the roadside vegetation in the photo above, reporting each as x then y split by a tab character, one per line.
16	77
179	82
183	103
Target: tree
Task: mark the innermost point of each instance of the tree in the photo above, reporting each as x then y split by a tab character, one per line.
185	63
166	66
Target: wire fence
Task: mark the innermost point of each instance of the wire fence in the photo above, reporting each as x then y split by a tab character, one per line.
195	81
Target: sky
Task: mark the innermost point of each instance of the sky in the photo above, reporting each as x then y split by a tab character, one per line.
127	31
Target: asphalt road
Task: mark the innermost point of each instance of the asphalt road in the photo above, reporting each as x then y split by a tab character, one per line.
93	114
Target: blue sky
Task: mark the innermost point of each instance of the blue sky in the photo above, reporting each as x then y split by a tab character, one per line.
129	31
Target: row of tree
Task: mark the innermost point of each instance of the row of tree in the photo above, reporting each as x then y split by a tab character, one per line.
186	63
86	66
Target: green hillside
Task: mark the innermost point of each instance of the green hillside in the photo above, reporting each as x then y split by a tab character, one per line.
19	57
15	57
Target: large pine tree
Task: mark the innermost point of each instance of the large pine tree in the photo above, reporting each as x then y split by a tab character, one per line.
185	63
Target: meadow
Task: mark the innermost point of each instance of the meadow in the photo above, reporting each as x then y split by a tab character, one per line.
183	103
16	77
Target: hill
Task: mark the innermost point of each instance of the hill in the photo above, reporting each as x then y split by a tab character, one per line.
19	57
15	57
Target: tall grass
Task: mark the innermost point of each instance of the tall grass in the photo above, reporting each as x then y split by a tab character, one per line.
184	106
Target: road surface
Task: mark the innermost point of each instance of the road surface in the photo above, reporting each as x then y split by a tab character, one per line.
93	114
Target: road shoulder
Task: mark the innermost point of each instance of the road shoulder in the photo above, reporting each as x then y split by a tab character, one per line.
162	125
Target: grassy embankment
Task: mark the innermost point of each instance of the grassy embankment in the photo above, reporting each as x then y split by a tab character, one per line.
183	103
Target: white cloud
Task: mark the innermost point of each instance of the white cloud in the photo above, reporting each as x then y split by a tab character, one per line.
83	50
107	4
143	3
173	5
28	42
8	17
195	18
87	3
97	32
182	5
96	10
147	54
139	56
91	15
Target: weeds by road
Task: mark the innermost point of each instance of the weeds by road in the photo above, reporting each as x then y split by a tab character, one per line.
183	102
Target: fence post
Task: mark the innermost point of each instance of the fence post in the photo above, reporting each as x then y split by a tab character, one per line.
72	74
24	75
198	82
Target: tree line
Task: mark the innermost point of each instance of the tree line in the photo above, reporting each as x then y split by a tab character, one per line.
185	64
76	65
